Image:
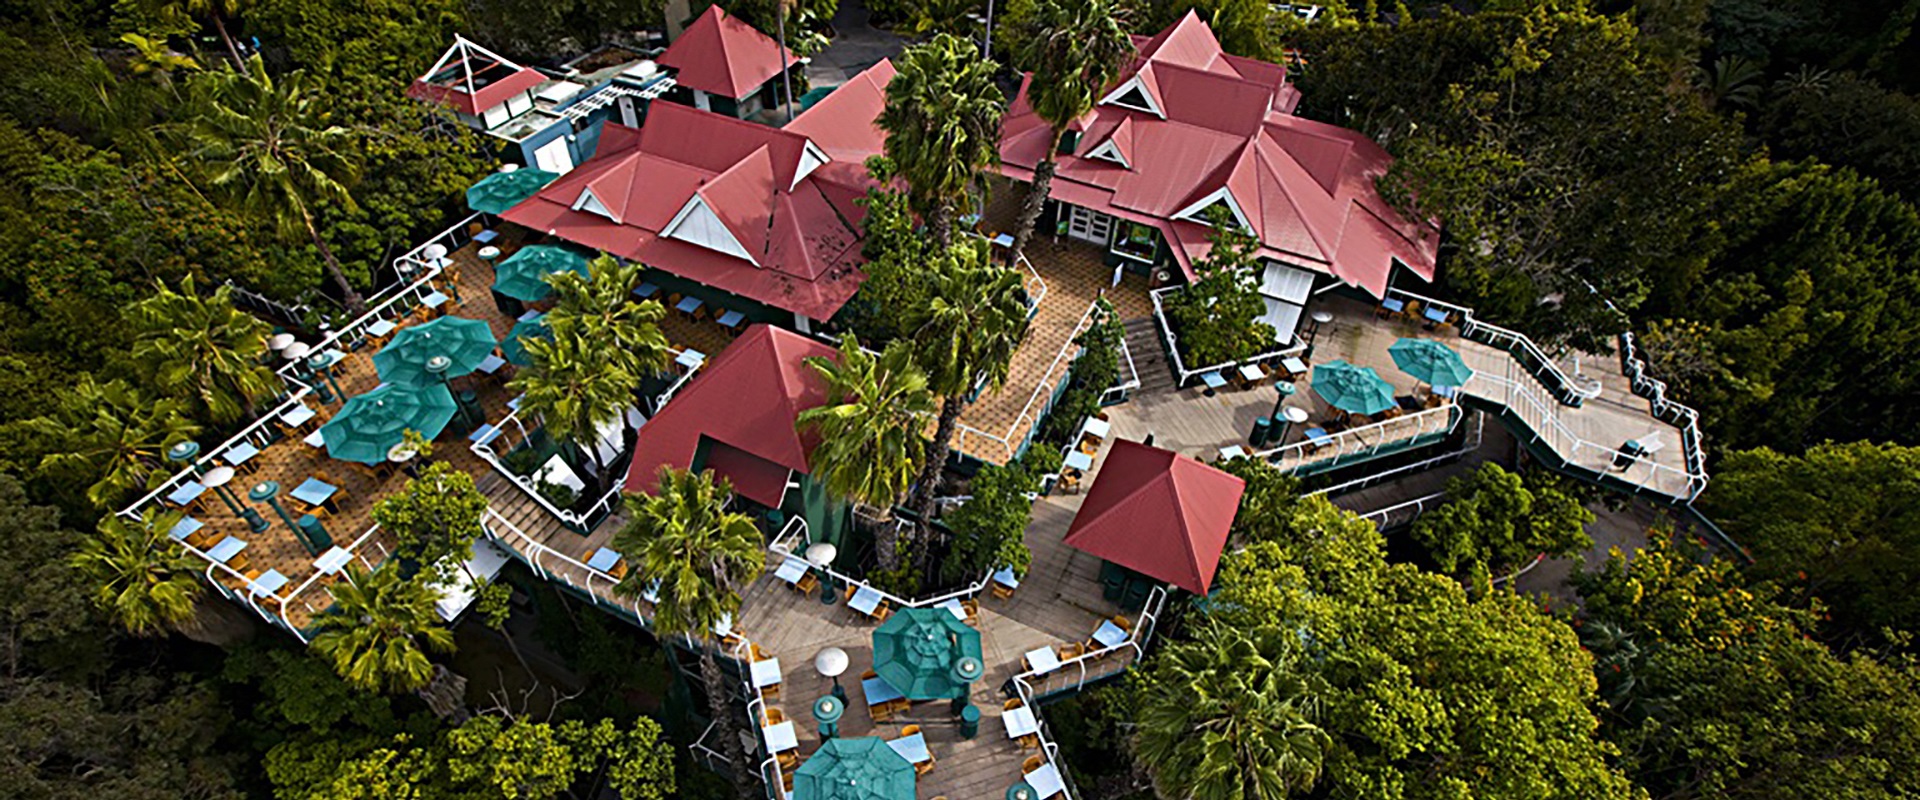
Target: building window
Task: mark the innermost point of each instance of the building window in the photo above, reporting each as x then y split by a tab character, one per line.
1137	241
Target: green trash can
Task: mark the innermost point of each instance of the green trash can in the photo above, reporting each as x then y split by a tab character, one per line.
970	721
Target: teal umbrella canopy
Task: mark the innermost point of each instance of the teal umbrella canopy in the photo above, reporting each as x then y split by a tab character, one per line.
463	342
371	424
1359	390
915	649
514	347
1430	361
500	191
523	276
854	769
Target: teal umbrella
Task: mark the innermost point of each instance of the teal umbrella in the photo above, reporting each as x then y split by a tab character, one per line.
514	347
854	769
914	651
500	191
1359	390
409	359
371	424
1430	361
523	276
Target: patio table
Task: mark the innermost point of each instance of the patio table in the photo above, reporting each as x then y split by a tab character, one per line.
1046	781
1434	314
269	583
604	559
186	493
781	737
791	570
645	290
1251	373
691	359
1096	427
434	300
1109	634
531	315
952	605
332	561
1319	436
1213	380
227	549
1043	660
1231	452
314	492
315	440
765	673
380	327
879	691
484	434
1078	460
297	416
731	318
239	454
1020	722
492	364
912	748
1005	577
1003	240
488	253
1293	365
486	236
865	600
689	305
1394	305
187	526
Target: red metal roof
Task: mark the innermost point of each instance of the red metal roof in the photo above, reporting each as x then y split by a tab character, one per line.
744	403
464	65
719	54
1158	513
1306	188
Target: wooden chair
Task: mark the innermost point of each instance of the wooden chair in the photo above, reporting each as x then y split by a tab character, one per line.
775	716
1030	741
789	761
1032	763
806	584
1012	703
909	731
758	654
1001	592
1123	623
1070	651
883	712
868	675
882	612
619	569
770	692
239	562
972	608
786	781
921	769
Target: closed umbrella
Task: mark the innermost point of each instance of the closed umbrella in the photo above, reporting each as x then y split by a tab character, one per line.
1357	390
514	347
1430	361
500	191
408	360
854	769
523	276
915	649
372	424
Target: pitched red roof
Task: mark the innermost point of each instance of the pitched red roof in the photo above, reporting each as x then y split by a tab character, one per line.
743	405
792	244
1158	513
492	79
1306	188
719	54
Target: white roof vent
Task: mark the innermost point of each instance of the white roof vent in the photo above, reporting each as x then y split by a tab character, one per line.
642	70
559	91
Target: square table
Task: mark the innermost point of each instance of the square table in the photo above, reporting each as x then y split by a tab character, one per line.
435	300
332	561
912	748
298	415
791	570
268	584
645	290
731	318
604	559
765	672
492	364
1046	781
1005	577
186	493
1020	722
239	454
1394	305
531	315
1293	365
689	305
1109	634
486	236
1251	373
1213	380
1078	460
952	605
1434	314
1319	436
380	327
1096	427
226	549
781	737
1231	452
483	434
1003	240
1043	660
691	359
314	492
515	402
879	691
187	526
315	439
865	600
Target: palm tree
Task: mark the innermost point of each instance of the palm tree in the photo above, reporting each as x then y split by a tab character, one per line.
942	119
113	437
703	556
375	632
203	350
267	145
870	429
575	386
966	334
1078	47
1230	715
140	578
219	11
601	307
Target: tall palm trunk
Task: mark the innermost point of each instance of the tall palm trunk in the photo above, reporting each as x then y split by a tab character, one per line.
886	541
940	224
718	708
929	483
355	303
1036	199
220	25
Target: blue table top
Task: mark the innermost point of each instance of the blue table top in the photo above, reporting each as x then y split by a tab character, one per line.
645	290
313	491
483	434
879	691
1293	365
186	493
239	453
486	236
298	415
1005	577
1109	634
1318	435
912	748
435	300
1392	304
689	304
1213	380
1435	314
226	549
269	583
690	358
381	327
1078	460
492	364
187	526
731	318
531	315
603	559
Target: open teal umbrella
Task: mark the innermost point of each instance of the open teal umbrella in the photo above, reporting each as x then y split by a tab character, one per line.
523	276
854	769
1359	390
371	424
409	360
500	191
514	347
914	651
1430	361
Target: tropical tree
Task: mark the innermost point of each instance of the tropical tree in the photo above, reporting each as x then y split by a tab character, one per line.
112	437
139	578
1233	715
267	145
703	556
435	518
218	11
601	307
966	334
942	119
1077	48
870	429
1494	519
576	385
202	350
378	631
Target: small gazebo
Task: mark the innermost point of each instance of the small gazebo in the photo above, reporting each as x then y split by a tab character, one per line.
1157	513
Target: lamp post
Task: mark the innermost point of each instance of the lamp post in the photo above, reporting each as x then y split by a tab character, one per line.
1282	390
269	492
966	670
1292	415
1313	332
1021	791
321	364
279	341
826	712
296	354
217	480
830	662
184	453
821	557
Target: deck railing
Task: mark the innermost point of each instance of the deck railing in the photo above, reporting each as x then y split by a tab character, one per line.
1002	448
1526	400
1673	412
1571	390
1365	441
1181	374
792	543
545	560
1118	393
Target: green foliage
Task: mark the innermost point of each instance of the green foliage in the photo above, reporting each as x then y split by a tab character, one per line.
1244	27
111	439
702	554
435	518
870	426
1073	49
1494	520
575	385
1094	370
989	531
202	350
378	629
41	616
1217	317
1847	121
599	307
942	119
897	282
807	20
138	577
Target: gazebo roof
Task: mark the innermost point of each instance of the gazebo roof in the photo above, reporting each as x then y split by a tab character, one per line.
720	54
1158	513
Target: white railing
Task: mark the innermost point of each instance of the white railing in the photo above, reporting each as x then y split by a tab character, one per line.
1181	375
792	541
978	443
483	447
1469	443
1364	441
1036	286
1118	392
1540	415
540	557
1573	389
1383	517
1678	414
